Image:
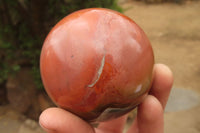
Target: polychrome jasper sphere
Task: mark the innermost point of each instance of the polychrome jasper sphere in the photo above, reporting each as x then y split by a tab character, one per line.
97	63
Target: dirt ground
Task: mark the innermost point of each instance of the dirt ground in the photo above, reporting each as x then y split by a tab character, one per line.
174	31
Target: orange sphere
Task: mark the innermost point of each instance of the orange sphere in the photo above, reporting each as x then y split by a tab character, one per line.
97	63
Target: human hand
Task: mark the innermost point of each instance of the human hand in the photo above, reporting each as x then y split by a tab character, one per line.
149	119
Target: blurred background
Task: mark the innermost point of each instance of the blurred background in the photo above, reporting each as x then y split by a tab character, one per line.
173	27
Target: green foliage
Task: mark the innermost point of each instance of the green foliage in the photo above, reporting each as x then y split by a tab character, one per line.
24	25
111	4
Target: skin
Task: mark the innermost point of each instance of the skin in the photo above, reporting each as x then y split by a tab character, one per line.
150	117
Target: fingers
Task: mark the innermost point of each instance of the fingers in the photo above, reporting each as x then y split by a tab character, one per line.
150	116
56	120
112	126
150	111
162	83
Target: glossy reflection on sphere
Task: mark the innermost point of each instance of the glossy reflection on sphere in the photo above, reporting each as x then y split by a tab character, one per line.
97	64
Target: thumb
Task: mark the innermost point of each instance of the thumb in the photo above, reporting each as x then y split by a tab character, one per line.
56	120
